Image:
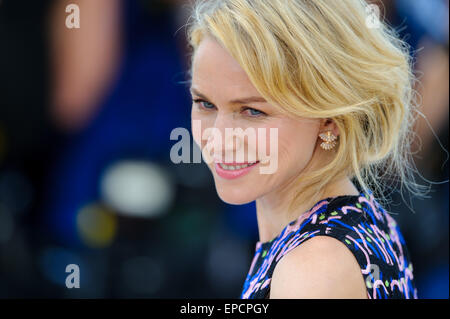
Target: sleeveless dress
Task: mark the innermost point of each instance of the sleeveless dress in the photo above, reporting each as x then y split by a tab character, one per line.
363	226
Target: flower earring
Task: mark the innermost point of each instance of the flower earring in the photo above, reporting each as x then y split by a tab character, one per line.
329	140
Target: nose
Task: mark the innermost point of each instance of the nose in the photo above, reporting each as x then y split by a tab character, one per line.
225	143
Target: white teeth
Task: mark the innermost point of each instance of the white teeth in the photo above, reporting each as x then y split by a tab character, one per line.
234	167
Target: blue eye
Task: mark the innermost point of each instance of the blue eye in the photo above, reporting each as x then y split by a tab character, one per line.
208	105
254	112
205	104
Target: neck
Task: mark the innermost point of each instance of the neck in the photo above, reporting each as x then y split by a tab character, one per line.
272	209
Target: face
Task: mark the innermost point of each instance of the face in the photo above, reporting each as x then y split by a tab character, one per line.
224	99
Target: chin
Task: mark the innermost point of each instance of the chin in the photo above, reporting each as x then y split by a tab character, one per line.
235	196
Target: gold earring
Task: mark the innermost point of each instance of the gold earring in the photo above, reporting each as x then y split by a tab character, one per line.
329	140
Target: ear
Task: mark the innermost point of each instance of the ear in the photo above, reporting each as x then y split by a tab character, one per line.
329	125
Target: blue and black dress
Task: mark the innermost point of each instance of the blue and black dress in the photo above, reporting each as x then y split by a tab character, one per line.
363	226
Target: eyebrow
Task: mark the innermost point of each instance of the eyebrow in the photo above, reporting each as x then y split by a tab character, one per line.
247	100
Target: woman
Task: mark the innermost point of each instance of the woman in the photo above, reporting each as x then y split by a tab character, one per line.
336	88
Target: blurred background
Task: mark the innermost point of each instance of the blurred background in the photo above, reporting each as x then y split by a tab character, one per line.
85	170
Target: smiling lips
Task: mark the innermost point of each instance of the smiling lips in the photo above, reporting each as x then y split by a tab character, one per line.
233	170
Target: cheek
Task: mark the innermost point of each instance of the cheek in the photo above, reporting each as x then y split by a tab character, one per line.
266	140
296	151
297	145
199	124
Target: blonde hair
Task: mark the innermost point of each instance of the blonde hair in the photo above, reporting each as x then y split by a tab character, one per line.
320	59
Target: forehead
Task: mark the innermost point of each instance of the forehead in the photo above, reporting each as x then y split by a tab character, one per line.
213	68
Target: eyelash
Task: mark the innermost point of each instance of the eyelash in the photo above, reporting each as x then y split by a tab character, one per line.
200	101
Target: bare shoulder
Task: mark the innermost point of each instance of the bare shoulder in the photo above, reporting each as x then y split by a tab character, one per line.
320	268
